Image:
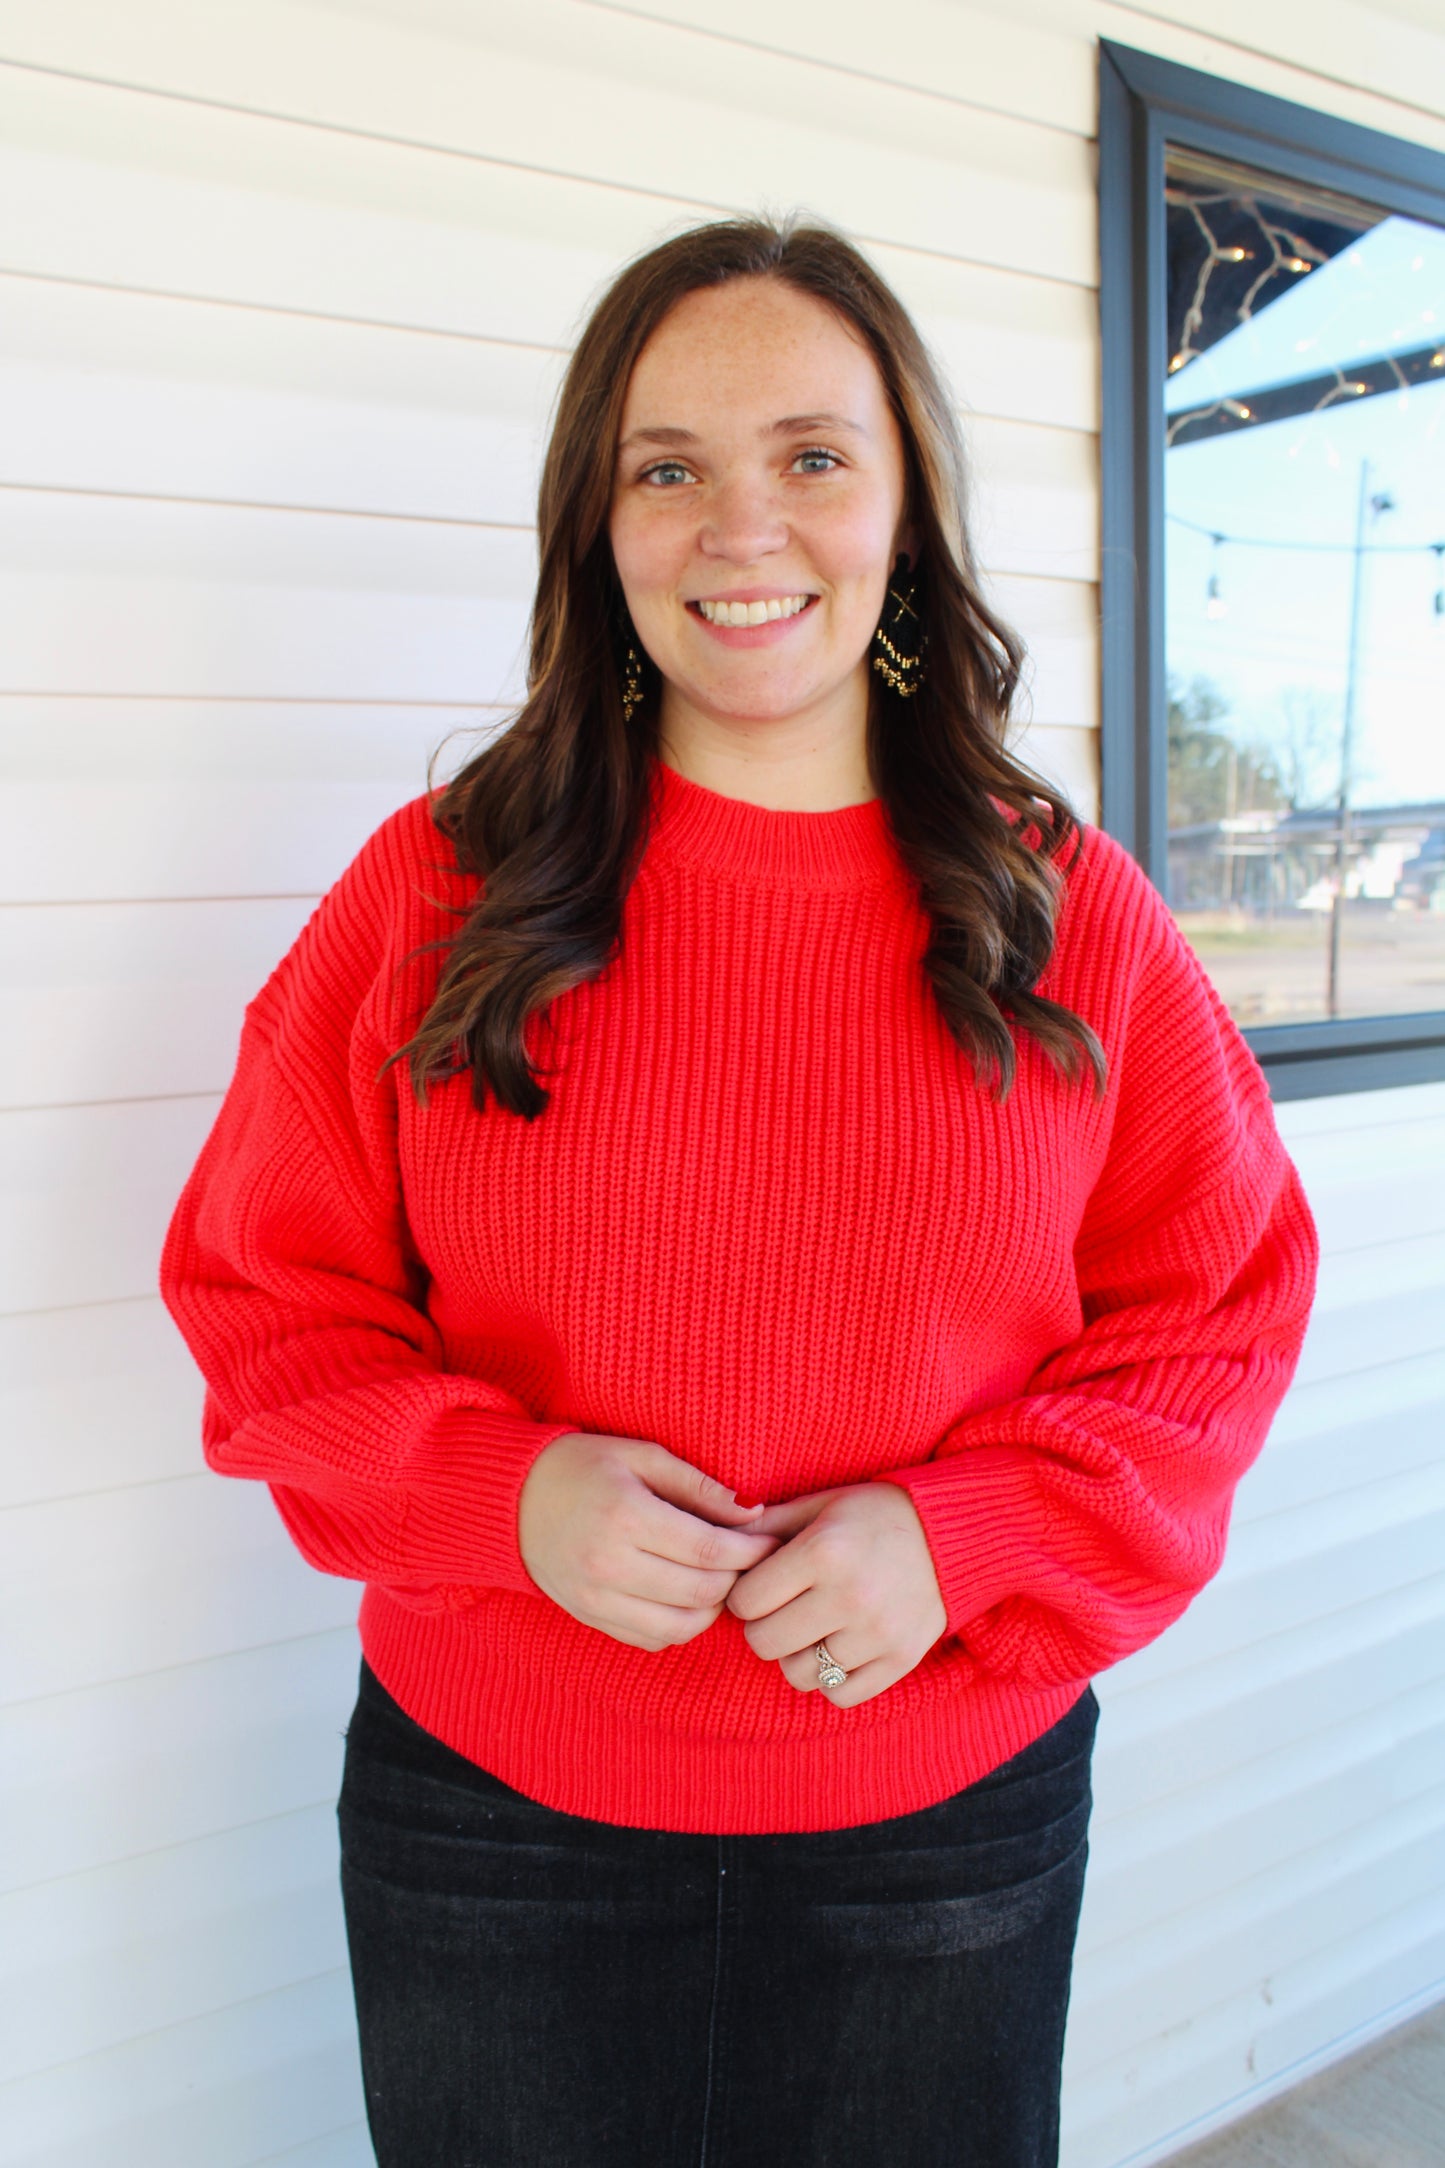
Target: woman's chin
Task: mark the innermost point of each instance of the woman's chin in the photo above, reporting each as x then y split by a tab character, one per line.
779	701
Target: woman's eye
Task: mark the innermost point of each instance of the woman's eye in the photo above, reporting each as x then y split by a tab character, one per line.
816	453
667	471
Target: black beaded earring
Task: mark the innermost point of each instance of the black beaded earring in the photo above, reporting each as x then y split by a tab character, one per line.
900	641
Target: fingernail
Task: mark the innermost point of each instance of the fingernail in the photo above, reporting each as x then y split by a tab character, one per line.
753	1507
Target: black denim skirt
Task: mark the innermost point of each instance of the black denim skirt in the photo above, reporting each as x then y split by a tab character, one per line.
538	1990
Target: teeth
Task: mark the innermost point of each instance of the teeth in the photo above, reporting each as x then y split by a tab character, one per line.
752	613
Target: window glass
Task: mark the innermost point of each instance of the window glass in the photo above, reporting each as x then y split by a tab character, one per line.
1304	490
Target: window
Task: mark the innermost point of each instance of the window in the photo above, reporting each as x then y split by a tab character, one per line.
1273	587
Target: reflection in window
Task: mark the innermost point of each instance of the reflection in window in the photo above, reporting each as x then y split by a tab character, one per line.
1304	393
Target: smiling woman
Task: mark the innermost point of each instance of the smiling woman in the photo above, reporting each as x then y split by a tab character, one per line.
674	1827
751	416
768	532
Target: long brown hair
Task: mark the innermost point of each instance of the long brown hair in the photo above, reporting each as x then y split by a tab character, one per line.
552	814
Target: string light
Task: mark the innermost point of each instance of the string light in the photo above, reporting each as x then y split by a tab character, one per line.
1287	251
1215	605
1262	542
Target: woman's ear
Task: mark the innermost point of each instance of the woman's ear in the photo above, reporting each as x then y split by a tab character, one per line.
908	542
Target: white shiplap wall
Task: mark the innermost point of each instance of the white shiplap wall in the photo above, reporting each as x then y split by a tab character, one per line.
285	290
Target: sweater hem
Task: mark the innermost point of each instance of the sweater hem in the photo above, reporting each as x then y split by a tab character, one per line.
618	1769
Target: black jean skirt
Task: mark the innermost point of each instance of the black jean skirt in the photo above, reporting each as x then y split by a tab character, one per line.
535	1989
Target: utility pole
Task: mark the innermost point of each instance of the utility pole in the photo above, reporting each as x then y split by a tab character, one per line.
1377	504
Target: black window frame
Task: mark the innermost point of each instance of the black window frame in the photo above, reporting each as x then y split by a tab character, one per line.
1146	103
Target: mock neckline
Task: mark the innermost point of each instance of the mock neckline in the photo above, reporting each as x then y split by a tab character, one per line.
847	847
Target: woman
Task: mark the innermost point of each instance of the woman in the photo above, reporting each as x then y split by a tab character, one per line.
753	1444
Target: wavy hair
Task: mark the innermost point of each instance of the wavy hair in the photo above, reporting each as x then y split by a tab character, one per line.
552	814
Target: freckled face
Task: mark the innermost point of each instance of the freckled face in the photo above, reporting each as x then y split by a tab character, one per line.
757	504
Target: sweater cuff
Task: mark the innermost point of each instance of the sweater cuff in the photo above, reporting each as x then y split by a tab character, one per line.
462	1513
974	1514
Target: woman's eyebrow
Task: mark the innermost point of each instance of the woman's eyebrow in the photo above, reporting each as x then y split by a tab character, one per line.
789	424
657	436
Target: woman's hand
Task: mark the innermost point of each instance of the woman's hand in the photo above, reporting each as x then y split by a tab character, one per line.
857	1574
630	1539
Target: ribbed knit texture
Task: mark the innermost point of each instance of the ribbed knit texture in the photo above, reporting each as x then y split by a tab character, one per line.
770	1220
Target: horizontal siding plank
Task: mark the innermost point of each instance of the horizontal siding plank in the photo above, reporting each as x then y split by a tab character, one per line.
134	1765
179	637
1340	1114
266	451
74	1045
95	1399
1347	1336
1020	347
1368	1752
1013	61
1388	1187
1342	1693
192	1928
96	1589
78	538
88	1192
228	2088
1400	1387
137	740
1298	1909
1391	1424
570	90
221	838
140	1001
133	1002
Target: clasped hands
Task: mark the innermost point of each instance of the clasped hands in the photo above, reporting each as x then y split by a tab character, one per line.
854	1570
647	1548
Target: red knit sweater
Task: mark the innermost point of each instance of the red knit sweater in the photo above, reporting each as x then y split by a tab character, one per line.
771	1221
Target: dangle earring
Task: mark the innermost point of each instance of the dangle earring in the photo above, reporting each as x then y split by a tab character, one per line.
900	641
631	682
629	661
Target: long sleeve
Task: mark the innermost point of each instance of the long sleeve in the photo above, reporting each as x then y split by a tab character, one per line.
1072	1524
289	1271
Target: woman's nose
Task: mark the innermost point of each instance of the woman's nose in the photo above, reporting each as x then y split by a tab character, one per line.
743	521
